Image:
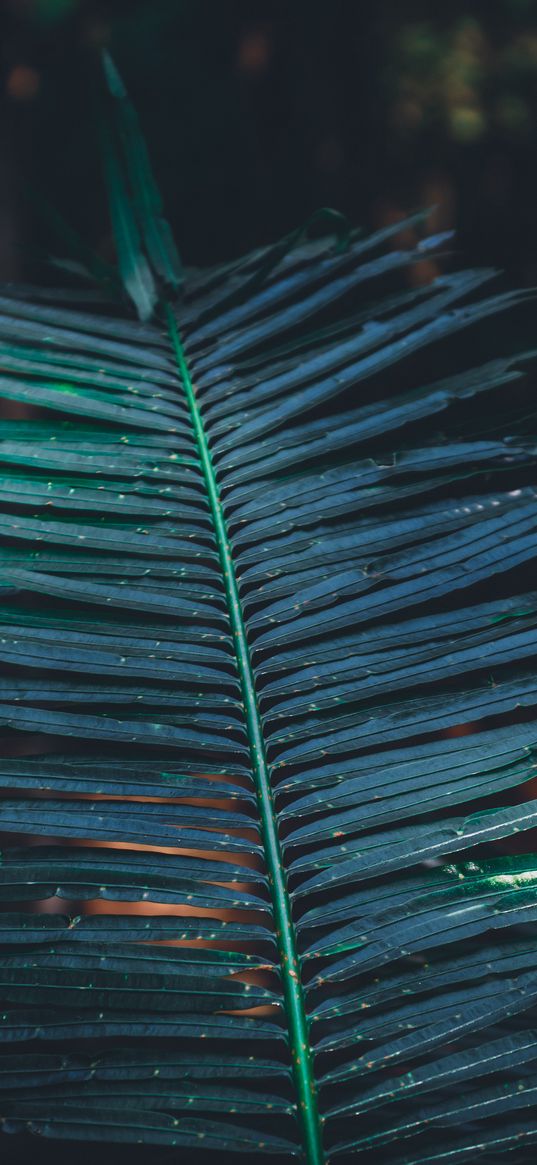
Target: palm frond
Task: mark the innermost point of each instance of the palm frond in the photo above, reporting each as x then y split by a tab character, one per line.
268	632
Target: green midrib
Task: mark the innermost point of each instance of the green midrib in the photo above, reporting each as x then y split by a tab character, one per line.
302	1060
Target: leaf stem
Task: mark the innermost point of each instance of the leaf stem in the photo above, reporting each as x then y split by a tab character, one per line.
301	1055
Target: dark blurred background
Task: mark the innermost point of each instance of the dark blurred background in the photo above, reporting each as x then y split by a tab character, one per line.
258	112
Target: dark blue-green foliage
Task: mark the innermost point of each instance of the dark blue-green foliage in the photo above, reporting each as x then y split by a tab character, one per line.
372	452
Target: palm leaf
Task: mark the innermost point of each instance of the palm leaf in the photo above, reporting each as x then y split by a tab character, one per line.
268	640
